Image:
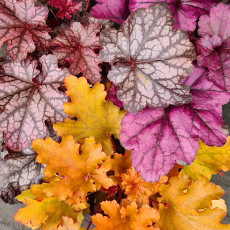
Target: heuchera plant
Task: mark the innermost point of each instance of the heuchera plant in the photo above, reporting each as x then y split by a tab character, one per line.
121	119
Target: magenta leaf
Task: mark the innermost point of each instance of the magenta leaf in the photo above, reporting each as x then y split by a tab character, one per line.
77	46
214	47
23	27
160	137
148	59
66	7
28	98
117	10
185	12
18	171
112	95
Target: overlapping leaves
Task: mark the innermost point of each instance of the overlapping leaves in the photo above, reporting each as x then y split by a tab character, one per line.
161	137
214	46
185	12
96	116
117	10
80	172
77	46
23	27
28	98
148	59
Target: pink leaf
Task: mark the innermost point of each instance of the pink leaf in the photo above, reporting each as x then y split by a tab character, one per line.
28	98
23	27
66	7
214	47
160	137
116	10
148	59
185	12
77	45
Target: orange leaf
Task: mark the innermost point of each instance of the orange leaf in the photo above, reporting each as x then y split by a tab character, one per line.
125	217
96	116
121	163
68	224
137	189
78	173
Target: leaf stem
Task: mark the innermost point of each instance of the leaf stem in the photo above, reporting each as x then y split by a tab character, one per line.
87	6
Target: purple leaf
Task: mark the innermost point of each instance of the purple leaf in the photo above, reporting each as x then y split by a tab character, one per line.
117	10
160	137
214	47
18	172
112	95
148	59
28	98
185	12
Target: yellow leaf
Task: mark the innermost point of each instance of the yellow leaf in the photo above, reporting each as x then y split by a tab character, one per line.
96	116
125	217
137	189
79	172
208	161
187	204
46	213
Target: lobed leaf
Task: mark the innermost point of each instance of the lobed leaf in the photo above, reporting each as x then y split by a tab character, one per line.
127	217
46	213
79	172
208	161
66	7
77	46
96	116
28	98
187	204
18	172
185	12
214	46
117	10
23	27
148	59
159	138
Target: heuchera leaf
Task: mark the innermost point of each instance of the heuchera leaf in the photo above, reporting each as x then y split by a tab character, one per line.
18	172
138	190
208	161
125	217
148	59
80	172
186	204
28	98
46	213
214	47
68	224
112	95
66	7
96	116
185	12
23	27
77	46
161	137
117	10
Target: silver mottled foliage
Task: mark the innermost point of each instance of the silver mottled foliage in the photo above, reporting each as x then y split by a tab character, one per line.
18	172
148	59
28	98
